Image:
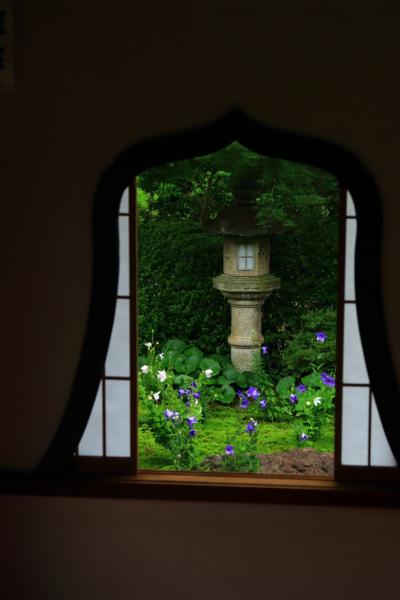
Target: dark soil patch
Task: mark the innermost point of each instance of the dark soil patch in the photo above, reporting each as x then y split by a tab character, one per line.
302	461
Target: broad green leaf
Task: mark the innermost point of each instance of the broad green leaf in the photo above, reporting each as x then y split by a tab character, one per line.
242	380
210	363
194	351
168	356
312	379
222	380
175	345
252	378
230	375
179	363
227	394
192	362
284	385
222	360
182	380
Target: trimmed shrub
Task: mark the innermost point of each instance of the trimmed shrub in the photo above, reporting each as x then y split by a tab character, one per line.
177	261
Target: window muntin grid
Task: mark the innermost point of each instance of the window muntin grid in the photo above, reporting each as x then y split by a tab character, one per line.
108	432
246	257
363	440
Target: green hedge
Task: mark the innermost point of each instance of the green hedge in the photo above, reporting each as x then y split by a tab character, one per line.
176	299
177	262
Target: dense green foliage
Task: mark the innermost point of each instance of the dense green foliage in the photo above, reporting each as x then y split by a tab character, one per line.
176	297
181	391
297	204
287	193
185	384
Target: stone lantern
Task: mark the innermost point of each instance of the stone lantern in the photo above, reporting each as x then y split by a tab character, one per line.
246	281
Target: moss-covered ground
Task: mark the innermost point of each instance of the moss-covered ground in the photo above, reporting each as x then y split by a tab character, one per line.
217	431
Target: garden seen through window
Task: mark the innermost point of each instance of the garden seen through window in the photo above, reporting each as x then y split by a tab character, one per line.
236	367
238	278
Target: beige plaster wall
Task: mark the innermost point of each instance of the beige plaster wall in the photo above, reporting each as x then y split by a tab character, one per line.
92	78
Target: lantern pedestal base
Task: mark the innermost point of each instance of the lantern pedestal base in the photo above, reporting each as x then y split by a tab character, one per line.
246	295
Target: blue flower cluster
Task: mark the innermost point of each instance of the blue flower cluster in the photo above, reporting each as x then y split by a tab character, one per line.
252	393
171	415
191	391
229	450
328	380
251	426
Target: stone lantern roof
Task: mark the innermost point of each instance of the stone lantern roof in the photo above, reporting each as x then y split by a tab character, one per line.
240	219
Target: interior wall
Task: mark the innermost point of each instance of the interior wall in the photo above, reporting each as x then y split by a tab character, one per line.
63	550
91	79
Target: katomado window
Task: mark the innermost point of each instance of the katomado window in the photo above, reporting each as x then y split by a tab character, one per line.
242	370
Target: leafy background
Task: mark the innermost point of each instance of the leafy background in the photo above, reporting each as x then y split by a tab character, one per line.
298	206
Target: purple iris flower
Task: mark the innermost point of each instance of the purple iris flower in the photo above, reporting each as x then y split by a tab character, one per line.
328	380
187	403
293	398
263	403
244	402
301	388
253	392
229	450
193	384
264	349
168	414
303	437
251	426
192	432
320	336
181	392
197	395
191	421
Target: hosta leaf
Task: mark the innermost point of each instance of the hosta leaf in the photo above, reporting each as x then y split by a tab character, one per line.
312	379
230	375
194	351
210	363
227	394
242	380
285	385
175	345
191	363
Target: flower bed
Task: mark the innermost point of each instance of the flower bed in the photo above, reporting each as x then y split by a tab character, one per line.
193	407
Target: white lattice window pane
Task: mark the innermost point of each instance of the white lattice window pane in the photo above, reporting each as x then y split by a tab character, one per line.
242	250
91	443
249	250
118	418
123	278
381	454
124	206
354	368
355	425
249	264
242	263
351	233
350	208
118	357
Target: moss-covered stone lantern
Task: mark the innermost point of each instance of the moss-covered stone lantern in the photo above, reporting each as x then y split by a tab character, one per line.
246	281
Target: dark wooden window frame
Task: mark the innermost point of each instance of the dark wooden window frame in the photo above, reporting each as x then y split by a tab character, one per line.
58	474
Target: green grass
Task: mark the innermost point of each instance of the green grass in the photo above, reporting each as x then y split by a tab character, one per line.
215	433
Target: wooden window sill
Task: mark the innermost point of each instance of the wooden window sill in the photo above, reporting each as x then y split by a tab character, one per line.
205	487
